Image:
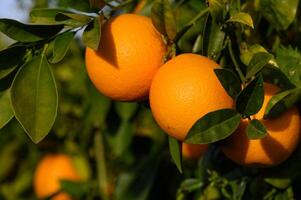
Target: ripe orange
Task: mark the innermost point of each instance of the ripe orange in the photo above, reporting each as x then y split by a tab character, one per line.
130	52
50	170
282	139
193	151
183	90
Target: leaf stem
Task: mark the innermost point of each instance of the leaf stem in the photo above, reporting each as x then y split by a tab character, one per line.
101	165
241	76
45	49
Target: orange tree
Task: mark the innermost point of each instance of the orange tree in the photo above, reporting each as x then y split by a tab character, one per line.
224	78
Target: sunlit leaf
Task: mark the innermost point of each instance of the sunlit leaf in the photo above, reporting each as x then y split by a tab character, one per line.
27	33
61	46
214	126
92	33
280	183
6	110
242	18
36	106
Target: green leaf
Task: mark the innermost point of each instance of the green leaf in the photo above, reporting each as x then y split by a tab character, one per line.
36	106
258	61
250	99
256	130
229	81
278	12
92	33
247	52
276	76
6	110
163	18
190	185
281	102
75	188
280	183
289	61
61	45
217	9
213	41
176	152
242	18
51	16
214	126
27	33
126	110
8	65
123	138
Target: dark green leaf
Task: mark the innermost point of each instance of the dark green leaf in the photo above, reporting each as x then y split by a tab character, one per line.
282	102
213	41
214	126
61	46
6	110
250	99
163	18
27	33
276	76
7	65
229	81
123	138
242	18
256	130
278	12
36	106
289	61
258	61
73	19
75	188
175	152
126	110
217	9
92	33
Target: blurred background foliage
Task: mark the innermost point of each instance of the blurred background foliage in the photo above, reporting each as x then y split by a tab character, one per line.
131	156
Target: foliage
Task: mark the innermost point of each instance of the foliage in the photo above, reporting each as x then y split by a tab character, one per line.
46	94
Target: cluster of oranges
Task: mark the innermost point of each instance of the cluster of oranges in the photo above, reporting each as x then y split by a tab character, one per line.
129	66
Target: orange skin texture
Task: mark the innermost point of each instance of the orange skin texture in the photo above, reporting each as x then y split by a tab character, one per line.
282	139
193	151
129	54
50	170
184	90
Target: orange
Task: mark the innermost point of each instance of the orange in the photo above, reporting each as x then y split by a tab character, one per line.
193	151
50	170
282	138
129	54
184	90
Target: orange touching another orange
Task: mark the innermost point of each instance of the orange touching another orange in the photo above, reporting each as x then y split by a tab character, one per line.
193	151
184	90
282	139
130	52
50	170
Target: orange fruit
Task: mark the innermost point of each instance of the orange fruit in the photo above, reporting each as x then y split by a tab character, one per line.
130	52
193	151
50	170
184	90
282	138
